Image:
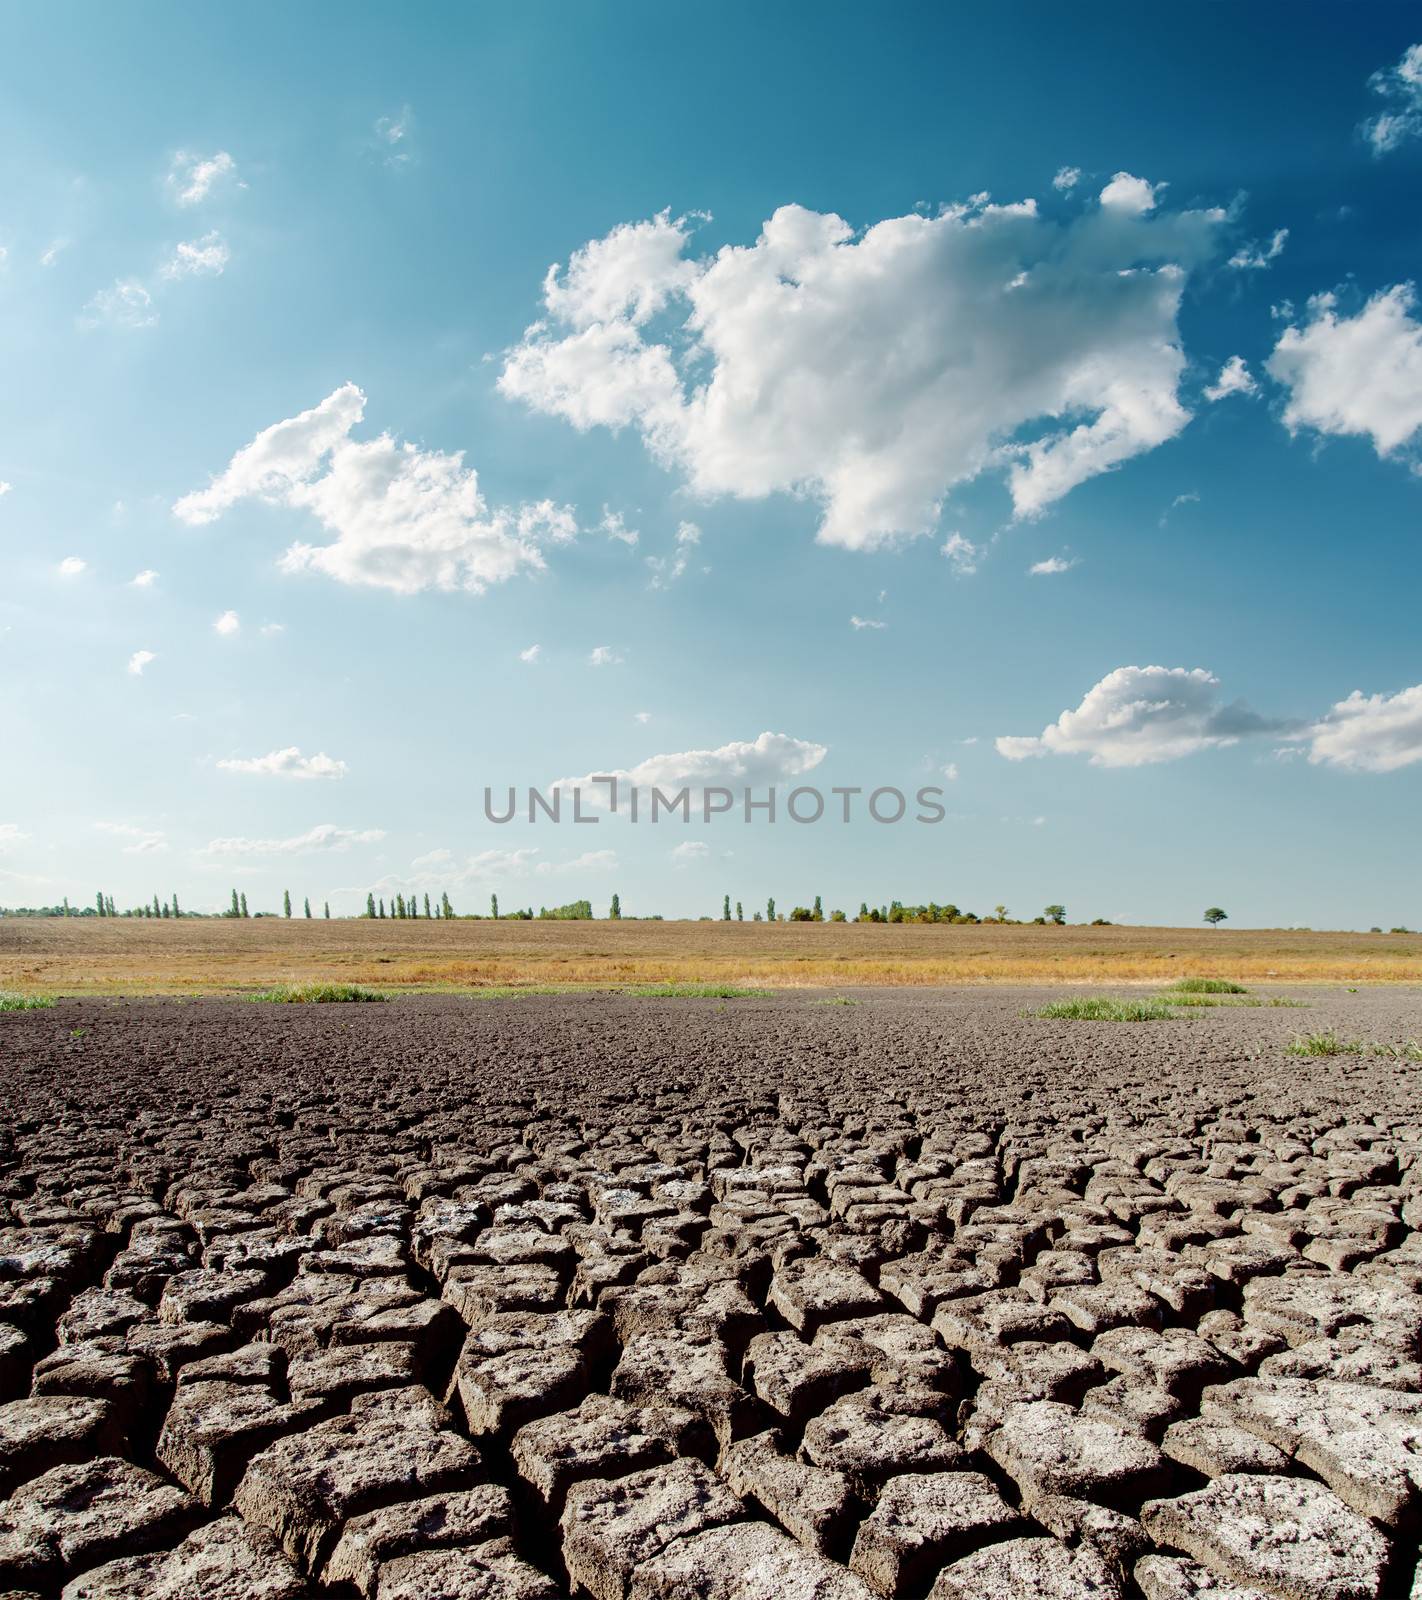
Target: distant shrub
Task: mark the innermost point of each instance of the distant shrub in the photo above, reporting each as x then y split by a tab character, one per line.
1100	1008
1324	1044
1208	986
695	991
10	1001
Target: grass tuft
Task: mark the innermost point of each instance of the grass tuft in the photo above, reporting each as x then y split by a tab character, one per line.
695	991
1324	1044
312	994
1208	986
836	1000
1099	1008
24	1002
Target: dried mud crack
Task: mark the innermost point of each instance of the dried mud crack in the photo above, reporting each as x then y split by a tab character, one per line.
688	1300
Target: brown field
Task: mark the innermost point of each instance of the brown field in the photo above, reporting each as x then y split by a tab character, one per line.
89	956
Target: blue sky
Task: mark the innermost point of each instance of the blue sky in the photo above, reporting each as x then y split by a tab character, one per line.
269	270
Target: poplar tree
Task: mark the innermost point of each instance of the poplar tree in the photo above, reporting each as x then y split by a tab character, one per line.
286	902
817	913
111	912
236	909
770	909
445	906
66	905
245	911
328	911
382	908
494	907
740	915
427	905
176	911
725	908
308	908
370	906
614	912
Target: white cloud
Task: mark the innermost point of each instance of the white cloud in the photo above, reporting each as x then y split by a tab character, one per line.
690	850
642	716
1355	375
52	253
950	772
1053	565
1400	87
604	655
143	580
272	630
11	835
126	305
404	519
227	624
288	763
773	758
205	257
325	836
858	623
589	861
666	570
139	660
191	178
1235	378
1370	733
72	566
1190	498
1137	716
614	527
5	488
142	841
1066	179
962	554
533	654
1255	257
876	371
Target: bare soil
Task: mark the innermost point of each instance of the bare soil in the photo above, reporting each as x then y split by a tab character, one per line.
916	1295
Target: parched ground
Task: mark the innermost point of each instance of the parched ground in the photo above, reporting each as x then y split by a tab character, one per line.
90	955
697	1300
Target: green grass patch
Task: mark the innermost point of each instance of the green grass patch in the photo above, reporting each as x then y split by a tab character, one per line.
24	1002
1100	1008
1208	986
1324	1044
315	994
695	991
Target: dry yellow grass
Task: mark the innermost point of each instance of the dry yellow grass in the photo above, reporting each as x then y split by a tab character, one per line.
90	956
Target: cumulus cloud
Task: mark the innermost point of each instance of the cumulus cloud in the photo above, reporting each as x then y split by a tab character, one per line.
859	623
642	716
325	836
126	305
1137	716
139	660
72	566
1235	378
1355	375
1066	179
1400	88
615	527
198	258
773	758
875	371
11	835
191	178
403	518
603	655
666	570
1256	257
227	624
588	861
1052	565
5	488
143	580
1370	733
141	841
444	869
690	850
532	655
962	555
288	763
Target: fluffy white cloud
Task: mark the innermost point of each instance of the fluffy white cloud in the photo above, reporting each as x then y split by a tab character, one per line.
11	835
288	763
690	850
141	841
72	566
1066	179
1235	378
1052	565
962	555
1137	716
325	836
532	655
773	758
198	258
139	660
666	570
403	518
126	305
875	371
615	527
1355	375
642	716
1400	87
859	623
143	580
5	488
603	655
272	630
589	861
227	624
1255	257
1370	733
443	869
191	178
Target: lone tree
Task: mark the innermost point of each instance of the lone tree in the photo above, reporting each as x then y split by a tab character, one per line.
308	908
327	912
725	908
1216	915
1056	914
286	902
1000	912
770	909
614	911
817	911
494	907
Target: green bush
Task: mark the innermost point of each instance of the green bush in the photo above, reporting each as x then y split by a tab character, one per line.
1208	986
307	994
1100	1008
24	1002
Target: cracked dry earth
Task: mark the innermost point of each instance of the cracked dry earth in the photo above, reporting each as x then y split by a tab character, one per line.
679	1300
